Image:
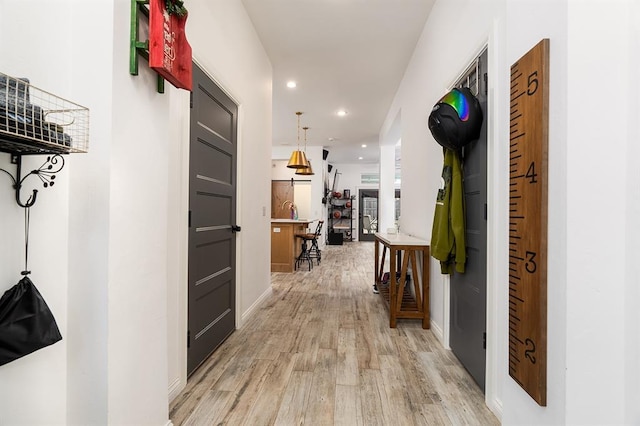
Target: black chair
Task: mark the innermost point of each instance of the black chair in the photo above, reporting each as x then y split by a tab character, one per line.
314	251
307	254
304	255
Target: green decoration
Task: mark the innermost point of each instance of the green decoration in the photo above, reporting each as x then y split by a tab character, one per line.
175	7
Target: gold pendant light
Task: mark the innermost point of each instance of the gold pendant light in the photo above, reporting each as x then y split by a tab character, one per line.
298	159
307	171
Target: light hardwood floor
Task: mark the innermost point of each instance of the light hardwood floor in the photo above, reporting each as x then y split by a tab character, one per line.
320	351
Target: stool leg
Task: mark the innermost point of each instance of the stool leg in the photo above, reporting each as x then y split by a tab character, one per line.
306	256
318	253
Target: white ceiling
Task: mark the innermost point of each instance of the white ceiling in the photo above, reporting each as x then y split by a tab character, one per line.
343	54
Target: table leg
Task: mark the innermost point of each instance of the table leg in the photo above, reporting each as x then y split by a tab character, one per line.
376	275
403	279
392	288
381	270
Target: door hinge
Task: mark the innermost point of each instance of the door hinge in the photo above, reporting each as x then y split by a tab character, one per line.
188	339
191	99
486	85
484	340
190	218
485	211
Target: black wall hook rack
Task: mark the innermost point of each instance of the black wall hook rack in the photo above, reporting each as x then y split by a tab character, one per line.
46	173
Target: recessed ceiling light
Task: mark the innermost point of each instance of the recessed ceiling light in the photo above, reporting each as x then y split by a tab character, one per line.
331	139
291	84
364	145
359	158
342	113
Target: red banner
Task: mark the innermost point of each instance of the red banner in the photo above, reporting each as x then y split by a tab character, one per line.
169	50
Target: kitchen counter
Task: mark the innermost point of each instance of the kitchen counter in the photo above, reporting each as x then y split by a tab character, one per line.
285	247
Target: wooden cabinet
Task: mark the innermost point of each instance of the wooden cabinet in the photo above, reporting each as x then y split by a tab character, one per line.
285	247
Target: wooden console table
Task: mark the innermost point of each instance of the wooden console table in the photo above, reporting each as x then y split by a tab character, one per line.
401	302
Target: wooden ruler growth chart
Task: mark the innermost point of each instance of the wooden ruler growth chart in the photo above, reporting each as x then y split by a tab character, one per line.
529	133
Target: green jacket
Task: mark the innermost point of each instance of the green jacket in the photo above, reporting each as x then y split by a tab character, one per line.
448	233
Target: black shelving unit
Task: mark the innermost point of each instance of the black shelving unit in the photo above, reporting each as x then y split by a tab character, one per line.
340	219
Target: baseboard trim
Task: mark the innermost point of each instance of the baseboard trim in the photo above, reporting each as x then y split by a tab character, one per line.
253	308
437	331
495	405
175	388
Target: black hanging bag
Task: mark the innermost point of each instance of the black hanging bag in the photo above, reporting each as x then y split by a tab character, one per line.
26	323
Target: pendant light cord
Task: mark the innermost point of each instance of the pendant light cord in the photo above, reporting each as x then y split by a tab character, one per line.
305	139
298	139
27	218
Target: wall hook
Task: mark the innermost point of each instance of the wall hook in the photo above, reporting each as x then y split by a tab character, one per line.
46	173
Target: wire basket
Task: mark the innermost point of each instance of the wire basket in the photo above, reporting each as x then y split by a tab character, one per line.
33	121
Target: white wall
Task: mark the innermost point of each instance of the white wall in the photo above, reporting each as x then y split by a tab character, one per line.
390	135
138	227
89	185
593	342
598	278
108	242
33	389
547	19
632	246
387	194
302	195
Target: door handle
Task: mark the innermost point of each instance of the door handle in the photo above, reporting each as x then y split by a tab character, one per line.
235	228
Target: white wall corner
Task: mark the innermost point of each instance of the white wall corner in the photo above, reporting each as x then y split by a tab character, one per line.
497	190
437	331
495	405
446	302
175	388
254	307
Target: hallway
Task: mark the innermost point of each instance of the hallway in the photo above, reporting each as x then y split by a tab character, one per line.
319	351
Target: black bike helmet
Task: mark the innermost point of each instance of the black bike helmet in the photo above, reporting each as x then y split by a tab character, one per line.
456	119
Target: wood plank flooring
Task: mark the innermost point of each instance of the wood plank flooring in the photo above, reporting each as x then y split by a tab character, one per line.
320	351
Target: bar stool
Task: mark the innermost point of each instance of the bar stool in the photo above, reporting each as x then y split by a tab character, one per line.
309	253
304	252
314	251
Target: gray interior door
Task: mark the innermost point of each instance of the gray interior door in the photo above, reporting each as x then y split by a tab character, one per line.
469	290
212	215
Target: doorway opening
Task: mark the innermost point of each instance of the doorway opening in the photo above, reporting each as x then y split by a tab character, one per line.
368	216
